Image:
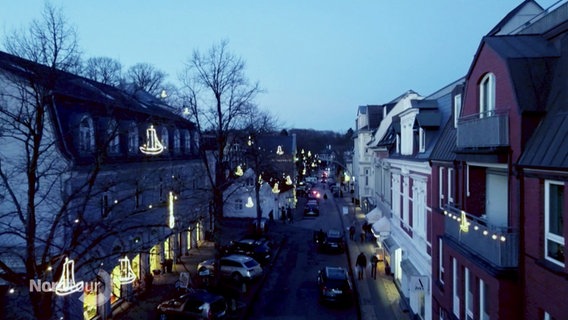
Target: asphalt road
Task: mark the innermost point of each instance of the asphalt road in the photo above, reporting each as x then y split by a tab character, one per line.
290	290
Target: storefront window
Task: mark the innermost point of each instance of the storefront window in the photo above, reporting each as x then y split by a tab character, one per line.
116	286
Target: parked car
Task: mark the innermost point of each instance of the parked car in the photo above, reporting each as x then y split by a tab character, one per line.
311	208
334	285
333	242
259	249
198	304
234	266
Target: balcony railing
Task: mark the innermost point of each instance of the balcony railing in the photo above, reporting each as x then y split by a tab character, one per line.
496	245
489	129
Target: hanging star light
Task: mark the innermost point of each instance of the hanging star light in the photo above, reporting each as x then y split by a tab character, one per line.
249	203
239	171
275	188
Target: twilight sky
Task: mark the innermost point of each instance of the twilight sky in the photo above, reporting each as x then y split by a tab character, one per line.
317	60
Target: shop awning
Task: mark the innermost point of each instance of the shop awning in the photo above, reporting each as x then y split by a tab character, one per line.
373	216
382	226
390	245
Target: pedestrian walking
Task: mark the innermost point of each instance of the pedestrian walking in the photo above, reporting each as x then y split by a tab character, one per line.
352	232
361	264
374	262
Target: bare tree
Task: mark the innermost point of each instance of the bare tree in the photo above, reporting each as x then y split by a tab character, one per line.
51	41
146	77
104	70
219	99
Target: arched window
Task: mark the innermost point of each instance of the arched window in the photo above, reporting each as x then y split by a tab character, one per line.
165	138
132	138
487	95
177	143
113	137
186	142
86	135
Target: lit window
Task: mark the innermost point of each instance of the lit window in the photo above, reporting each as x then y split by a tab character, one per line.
455	287
487	95
554	222
132	138
86	135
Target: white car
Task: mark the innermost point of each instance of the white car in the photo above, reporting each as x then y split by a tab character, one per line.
235	266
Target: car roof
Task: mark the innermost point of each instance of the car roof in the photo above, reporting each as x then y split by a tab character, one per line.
201	295
333	233
336	273
238	257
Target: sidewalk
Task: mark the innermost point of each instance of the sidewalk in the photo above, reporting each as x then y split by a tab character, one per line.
374	295
163	288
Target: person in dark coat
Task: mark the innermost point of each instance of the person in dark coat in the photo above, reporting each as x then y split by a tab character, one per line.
352	232
361	264
374	262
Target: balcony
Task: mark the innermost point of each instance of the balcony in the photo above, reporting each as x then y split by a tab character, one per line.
483	130
498	246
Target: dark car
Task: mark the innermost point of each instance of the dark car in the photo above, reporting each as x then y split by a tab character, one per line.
198	304
334	285
333	241
311	208
258	249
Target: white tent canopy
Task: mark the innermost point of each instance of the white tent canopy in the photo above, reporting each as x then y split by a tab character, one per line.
373	215
382	226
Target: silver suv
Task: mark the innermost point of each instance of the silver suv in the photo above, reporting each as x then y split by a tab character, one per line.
235	266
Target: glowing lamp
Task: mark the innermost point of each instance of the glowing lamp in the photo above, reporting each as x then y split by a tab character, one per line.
249	203
153	146
66	284
126	274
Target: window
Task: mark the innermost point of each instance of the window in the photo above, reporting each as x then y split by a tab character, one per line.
86	135
483	300
132	139
397	143
239	204
405	199
487	96
469	284
396	194
186	142
105	206
441	260
554	222
177	143
113	138
422	140
457	108
455	293
450	185
165	139
441	186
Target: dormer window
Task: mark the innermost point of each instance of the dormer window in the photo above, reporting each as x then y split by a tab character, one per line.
132	139
487	95
457	108
113	137
177	141
421	140
165	138
86	135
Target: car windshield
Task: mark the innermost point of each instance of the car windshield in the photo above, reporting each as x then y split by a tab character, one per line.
251	264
